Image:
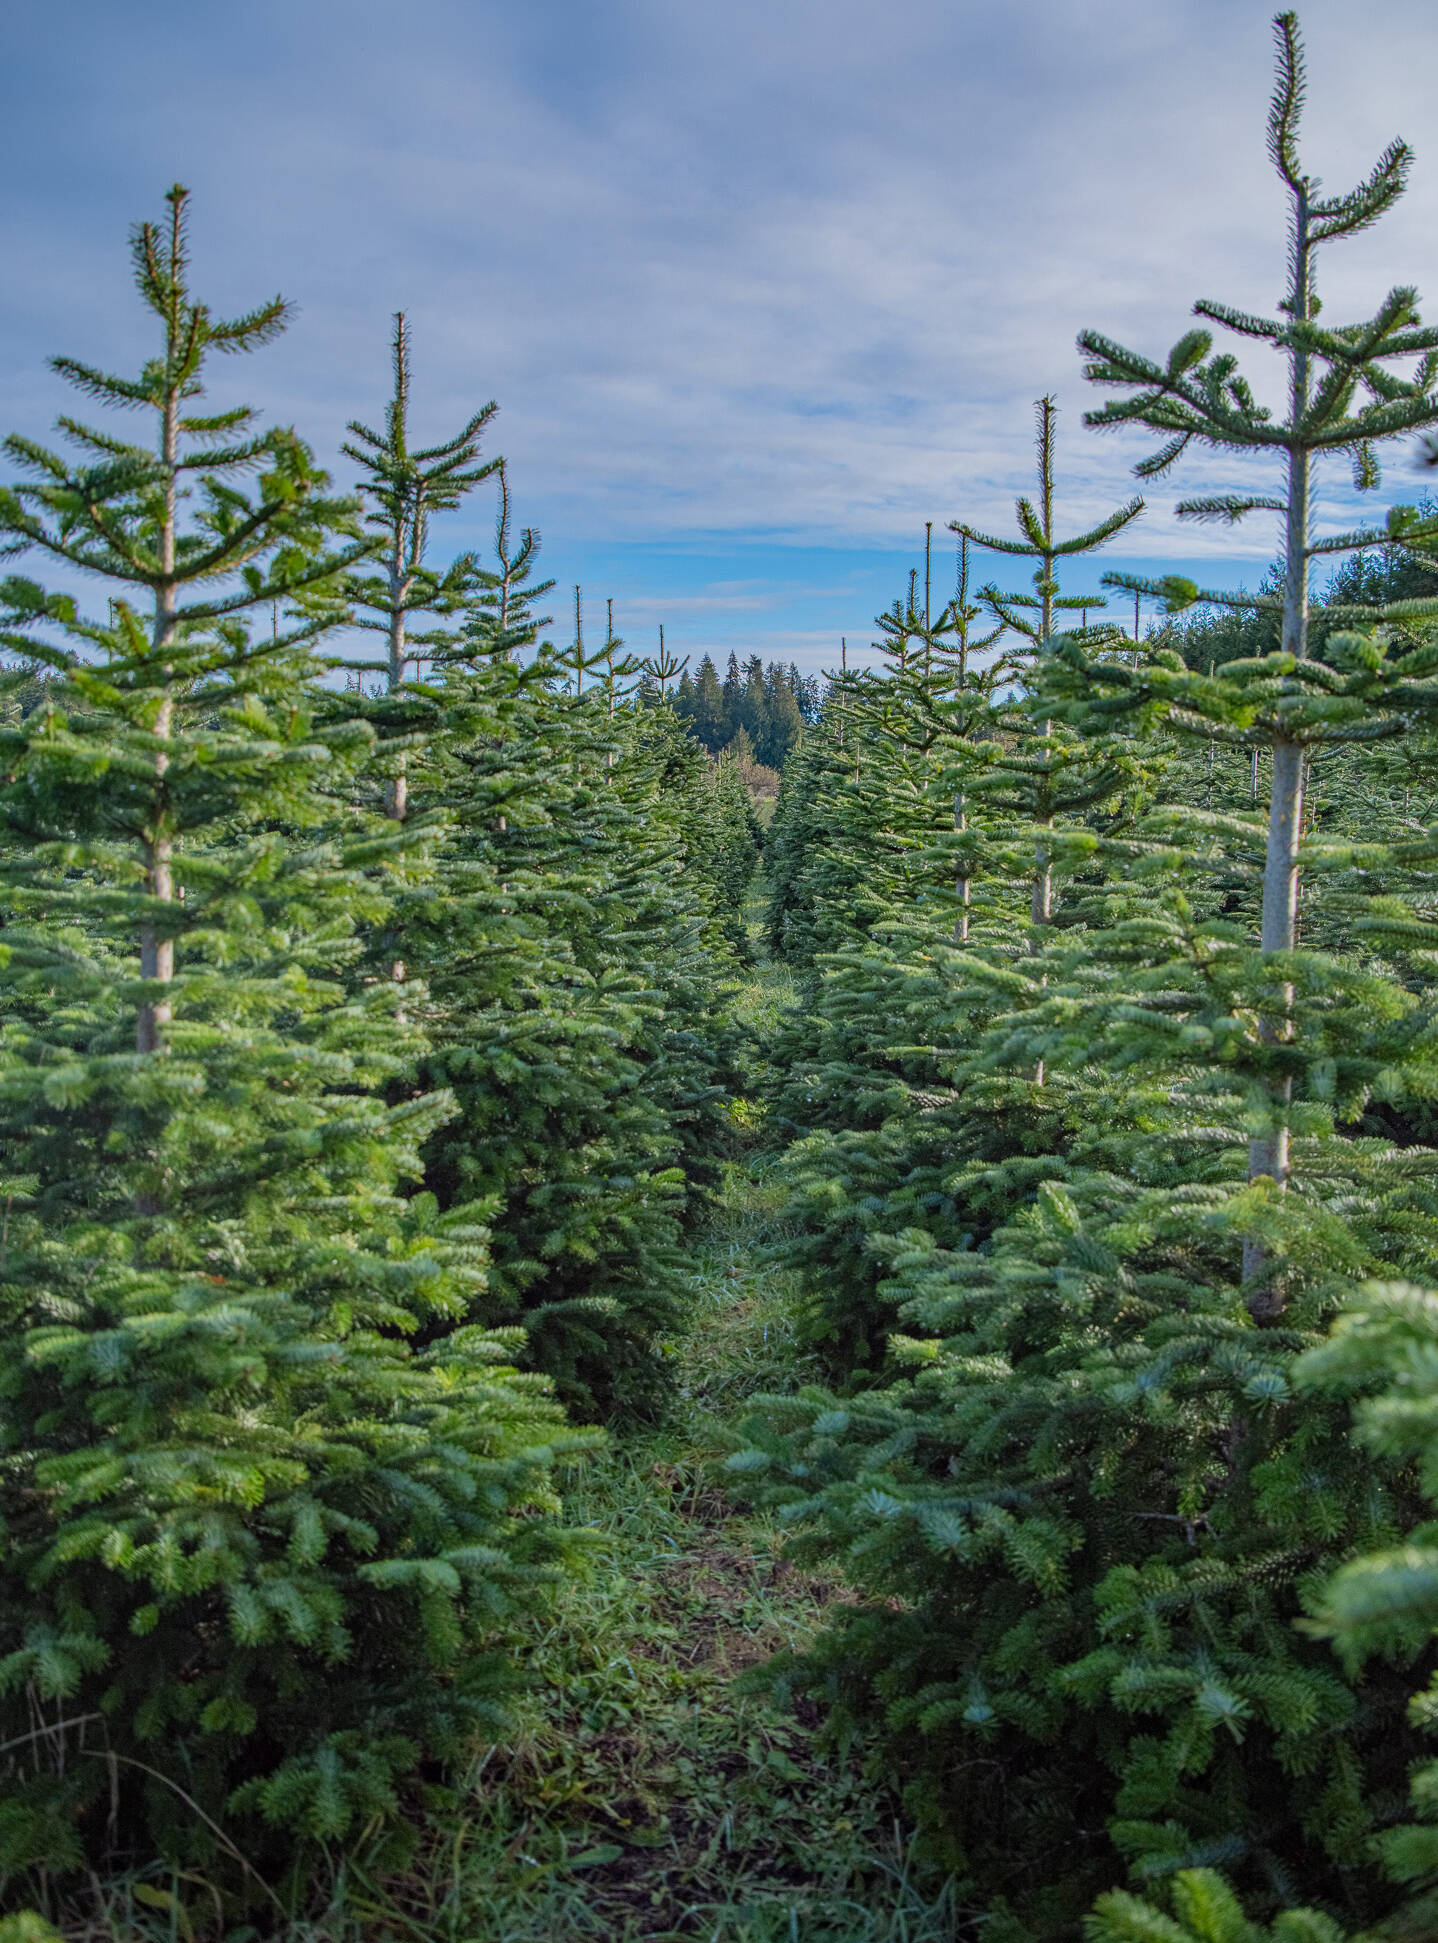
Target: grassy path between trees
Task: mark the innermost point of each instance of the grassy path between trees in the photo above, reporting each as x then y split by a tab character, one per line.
648	1794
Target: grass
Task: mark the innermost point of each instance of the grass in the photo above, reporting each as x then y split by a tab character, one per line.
649	1795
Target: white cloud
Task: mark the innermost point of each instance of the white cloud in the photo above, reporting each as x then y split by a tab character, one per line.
791	270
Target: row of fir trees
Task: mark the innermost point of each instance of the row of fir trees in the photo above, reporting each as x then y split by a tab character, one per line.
1112	1171
360	1068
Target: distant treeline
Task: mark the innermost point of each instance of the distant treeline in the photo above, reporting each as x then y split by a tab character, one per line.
1211	637
770	704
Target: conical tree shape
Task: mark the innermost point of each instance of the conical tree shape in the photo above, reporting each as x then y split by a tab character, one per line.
1052	776
1198	395
260	1556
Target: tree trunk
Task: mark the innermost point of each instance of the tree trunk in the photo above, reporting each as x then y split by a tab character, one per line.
961	922
1041	902
157	954
1268	1155
397	789
1041	910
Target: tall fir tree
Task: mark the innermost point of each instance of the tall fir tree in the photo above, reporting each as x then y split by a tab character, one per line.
1343	399
261	1557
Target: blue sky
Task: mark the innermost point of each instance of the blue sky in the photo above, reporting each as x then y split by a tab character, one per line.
759	288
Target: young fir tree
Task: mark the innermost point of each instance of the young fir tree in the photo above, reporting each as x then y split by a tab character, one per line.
662	668
1344	399
403	491
1047	775
867	875
1382	1355
259	1554
536	1014
1204	1910
499	621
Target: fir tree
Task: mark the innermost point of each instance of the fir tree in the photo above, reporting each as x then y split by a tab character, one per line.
1343	399
499	622
1053	775
1382	1354
1205	1910
260	1554
403	491
661	670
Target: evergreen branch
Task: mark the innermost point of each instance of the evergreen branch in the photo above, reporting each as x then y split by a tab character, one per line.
1161	461
27	453
1229	507
1381	421
458	447
259	326
369	437
1408	343
1243	321
1020	547
1105	530
122	392
1178	593
1358	343
1350	542
1030	525
1113	364
230	550
1406	613
233	458
218	422
291	581
1286	108
1361	207
100	441
126	562
32	650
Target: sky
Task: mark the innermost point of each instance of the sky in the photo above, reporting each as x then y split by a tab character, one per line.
760	288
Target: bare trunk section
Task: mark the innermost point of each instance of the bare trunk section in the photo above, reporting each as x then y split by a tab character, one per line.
1041	902
961	820
1041	909
157	954
397	788
961	882
1268	1155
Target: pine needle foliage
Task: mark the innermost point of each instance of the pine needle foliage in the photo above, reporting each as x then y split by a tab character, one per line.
260	1556
1345	399
570	949
1082	1502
